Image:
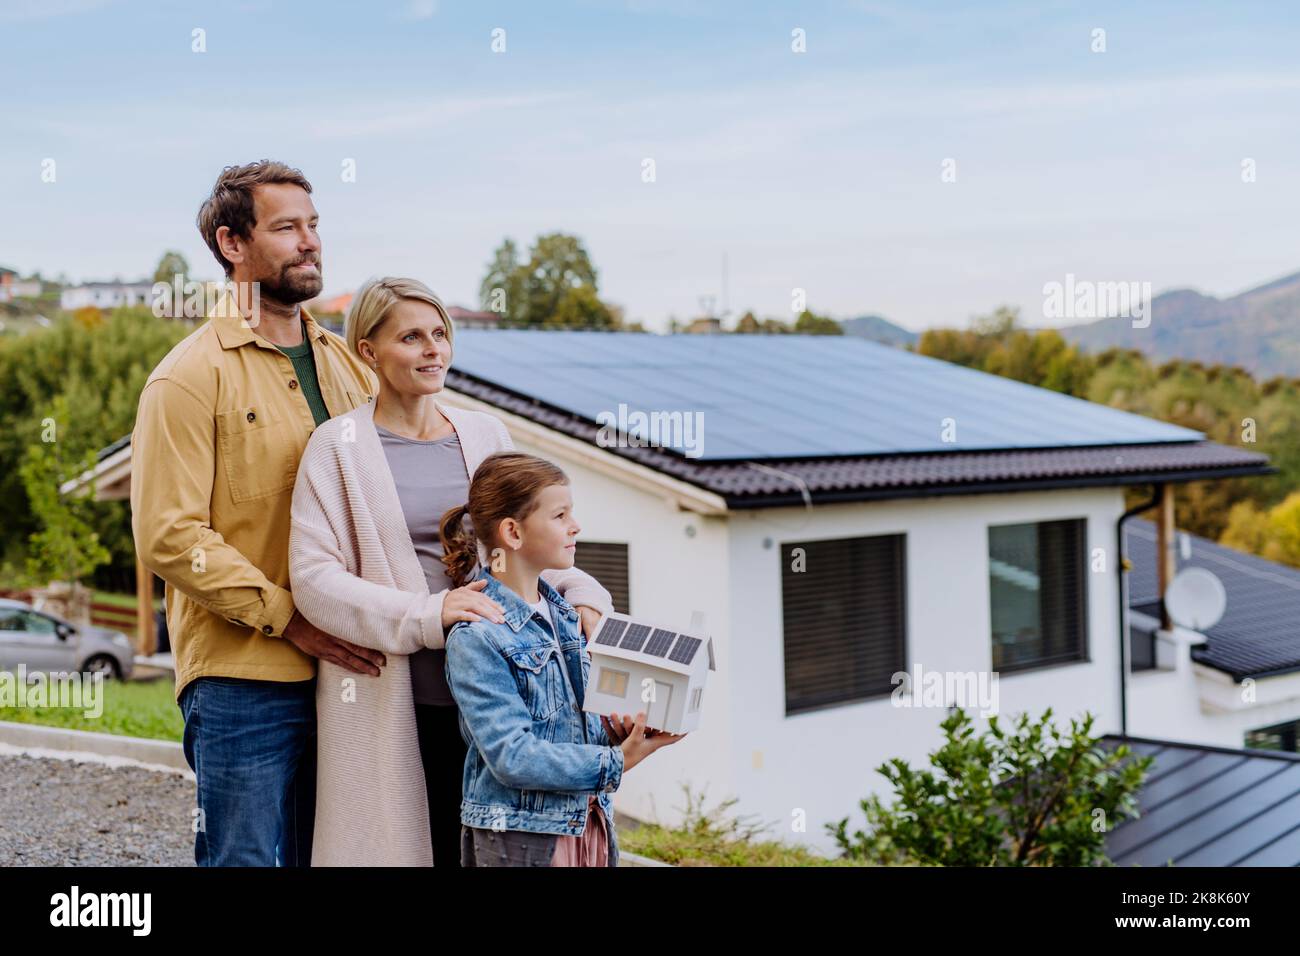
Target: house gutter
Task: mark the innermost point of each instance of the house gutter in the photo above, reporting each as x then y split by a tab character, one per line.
1121	565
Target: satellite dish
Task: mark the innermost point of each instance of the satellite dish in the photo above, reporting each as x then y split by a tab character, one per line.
1196	599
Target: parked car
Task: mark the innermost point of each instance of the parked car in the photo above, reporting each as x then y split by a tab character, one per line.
46	642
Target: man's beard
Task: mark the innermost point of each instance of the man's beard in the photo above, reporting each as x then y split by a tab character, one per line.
291	286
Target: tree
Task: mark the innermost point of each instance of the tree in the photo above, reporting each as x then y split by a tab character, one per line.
556	264
1273	534
502	288
535	291
171	264
1032	797
580	308
66	547
809	323
1247	529
747	324
99	372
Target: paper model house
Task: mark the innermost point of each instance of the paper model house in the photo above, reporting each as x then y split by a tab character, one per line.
638	666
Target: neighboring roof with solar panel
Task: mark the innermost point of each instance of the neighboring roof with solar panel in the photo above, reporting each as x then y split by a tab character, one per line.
791	396
1259	633
564	381
1210	806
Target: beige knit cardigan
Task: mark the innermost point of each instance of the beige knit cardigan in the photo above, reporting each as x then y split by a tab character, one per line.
354	573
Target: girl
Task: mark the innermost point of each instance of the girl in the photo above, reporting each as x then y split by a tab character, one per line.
539	772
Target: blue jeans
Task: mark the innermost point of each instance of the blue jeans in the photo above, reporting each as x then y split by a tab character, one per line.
252	746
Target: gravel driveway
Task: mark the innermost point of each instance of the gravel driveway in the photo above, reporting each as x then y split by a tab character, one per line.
64	813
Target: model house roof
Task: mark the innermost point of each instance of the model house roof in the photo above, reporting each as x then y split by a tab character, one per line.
802	418
633	639
1259	633
1211	806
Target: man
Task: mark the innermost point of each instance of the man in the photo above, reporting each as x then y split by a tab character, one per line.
222	423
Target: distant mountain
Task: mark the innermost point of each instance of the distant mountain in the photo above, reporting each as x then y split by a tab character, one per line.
1258	329
878	329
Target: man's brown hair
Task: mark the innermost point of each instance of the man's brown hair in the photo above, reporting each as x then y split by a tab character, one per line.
231	202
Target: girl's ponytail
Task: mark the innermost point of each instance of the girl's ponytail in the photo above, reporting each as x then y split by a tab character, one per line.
459	546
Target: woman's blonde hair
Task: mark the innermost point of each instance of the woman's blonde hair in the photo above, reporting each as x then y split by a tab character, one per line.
376	298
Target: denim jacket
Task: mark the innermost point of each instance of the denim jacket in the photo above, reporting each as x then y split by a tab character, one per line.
535	757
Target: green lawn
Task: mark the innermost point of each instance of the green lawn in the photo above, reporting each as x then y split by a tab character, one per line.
124	601
131	708
715	838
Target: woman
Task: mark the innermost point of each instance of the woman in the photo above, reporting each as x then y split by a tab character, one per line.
365	564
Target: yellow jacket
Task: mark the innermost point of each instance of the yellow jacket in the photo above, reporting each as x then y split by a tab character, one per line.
219	430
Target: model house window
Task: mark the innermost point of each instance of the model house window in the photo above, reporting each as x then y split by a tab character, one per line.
612	682
1278	737
697	695
842	606
1038	593
607	563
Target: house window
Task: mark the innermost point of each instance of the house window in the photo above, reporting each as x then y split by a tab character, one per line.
842	605
612	682
607	563
697	695
1278	737
1038	593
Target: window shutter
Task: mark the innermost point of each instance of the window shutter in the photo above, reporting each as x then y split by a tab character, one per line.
844	619
607	563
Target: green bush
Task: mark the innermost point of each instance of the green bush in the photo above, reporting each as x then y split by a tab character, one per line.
1031	797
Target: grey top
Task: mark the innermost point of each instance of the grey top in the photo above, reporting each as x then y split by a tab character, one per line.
431	478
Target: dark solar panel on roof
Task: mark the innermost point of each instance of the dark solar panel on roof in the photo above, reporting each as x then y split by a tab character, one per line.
685	648
878	476
660	641
611	631
635	637
750	391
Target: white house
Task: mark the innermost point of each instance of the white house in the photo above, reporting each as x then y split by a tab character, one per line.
106	295
842	512
1235	684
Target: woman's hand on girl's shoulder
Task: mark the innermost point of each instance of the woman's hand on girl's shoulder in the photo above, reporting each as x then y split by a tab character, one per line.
469	603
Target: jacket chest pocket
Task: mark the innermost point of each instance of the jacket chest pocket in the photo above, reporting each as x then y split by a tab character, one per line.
537	673
260	459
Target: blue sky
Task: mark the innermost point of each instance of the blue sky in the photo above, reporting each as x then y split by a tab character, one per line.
818	170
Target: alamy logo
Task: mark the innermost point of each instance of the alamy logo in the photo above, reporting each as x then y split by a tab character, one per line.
969	690
1083	299
73	690
103	909
683	431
